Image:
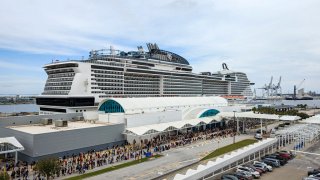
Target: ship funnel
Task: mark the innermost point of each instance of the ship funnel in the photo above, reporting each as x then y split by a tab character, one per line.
224	66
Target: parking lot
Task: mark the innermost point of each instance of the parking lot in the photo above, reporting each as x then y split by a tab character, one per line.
297	168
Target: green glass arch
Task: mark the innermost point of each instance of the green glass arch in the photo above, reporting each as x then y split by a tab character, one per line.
111	106
209	112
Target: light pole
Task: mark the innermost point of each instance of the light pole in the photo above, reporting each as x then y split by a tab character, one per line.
234	125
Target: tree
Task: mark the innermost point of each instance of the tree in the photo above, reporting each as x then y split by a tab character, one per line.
4	175
254	109
48	167
303	115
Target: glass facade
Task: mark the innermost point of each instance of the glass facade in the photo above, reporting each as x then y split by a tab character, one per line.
111	106
70	102
210	112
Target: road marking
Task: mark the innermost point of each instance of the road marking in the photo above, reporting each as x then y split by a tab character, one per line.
306	153
189	160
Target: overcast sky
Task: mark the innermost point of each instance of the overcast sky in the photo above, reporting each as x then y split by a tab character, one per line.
261	38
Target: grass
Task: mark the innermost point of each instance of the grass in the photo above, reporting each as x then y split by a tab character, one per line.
112	168
229	148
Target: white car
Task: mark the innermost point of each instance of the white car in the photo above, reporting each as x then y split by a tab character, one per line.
263	164
254	173
258	136
315	176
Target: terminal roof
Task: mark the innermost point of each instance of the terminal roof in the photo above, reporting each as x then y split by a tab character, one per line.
40	128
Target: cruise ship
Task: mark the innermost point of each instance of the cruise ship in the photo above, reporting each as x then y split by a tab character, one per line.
79	85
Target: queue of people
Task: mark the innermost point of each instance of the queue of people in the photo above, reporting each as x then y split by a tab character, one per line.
80	163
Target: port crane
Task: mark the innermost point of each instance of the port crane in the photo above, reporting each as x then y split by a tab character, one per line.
295	87
272	90
277	88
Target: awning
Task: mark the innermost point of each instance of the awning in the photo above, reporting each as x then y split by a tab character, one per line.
289	118
10	144
312	120
169	126
249	114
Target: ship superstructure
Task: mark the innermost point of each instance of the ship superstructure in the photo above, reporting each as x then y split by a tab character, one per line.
79	85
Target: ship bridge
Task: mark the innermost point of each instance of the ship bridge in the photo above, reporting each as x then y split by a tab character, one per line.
154	53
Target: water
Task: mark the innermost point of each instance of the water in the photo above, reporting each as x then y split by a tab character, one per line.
309	103
19	108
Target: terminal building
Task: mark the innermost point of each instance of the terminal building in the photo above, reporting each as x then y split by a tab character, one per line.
116	121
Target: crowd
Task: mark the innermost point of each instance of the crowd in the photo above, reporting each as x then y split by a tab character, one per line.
79	163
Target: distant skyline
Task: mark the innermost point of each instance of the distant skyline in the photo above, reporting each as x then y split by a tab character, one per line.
261	38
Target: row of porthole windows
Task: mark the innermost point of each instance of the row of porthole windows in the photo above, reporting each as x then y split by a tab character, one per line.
141	76
180	92
112	76
143	85
58	71
55	92
107	80
126	92
61	75
57	88
59	79
59	84
105	72
107	84
109	92
80	110
141	92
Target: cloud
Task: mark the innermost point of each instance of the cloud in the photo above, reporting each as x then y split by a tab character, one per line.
16	66
21	84
261	38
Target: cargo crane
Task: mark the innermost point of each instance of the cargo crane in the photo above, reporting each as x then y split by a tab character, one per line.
300	95
272	90
295	87
277	88
266	88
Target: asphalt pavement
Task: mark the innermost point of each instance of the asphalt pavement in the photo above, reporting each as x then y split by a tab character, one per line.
172	159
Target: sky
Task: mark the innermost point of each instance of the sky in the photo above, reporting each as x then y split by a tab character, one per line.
262	38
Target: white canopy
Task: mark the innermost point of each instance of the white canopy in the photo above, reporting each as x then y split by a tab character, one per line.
234	156
312	120
14	145
154	128
250	114
289	118
132	104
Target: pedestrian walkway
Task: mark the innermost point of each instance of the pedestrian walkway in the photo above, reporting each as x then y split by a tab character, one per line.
173	159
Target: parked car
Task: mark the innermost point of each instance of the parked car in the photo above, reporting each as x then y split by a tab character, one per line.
229	177
264	165
281	159
315	175
315	171
264	169
271	162
254	173
260	170
243	175
258	136
286	154
310	178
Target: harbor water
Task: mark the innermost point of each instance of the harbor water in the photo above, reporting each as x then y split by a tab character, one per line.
16	108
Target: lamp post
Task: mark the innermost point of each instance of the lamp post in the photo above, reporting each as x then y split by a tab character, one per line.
234	125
